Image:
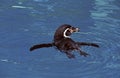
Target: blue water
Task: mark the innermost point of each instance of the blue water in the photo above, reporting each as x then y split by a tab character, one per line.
24	23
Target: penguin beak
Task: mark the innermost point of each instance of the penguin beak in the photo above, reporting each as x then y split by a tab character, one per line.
73	29
77	29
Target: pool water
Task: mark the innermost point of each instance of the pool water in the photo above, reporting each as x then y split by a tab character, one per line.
24	23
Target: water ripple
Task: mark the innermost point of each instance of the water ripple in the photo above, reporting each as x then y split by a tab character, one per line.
109	31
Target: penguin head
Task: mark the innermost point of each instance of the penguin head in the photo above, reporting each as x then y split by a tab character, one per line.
69	30
64	31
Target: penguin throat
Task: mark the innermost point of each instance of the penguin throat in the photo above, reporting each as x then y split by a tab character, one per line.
64	33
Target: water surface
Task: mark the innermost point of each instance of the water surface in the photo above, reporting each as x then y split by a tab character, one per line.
24	23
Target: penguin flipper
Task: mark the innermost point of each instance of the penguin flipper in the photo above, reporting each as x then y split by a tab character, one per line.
87	44
41	46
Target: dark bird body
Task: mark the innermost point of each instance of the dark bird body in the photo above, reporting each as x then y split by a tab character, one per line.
64	43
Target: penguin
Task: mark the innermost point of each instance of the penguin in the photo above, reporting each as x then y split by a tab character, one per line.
64	43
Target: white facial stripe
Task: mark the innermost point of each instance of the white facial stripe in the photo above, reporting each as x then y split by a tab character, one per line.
64	34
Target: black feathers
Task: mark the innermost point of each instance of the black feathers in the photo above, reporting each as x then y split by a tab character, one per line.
64	43
41	46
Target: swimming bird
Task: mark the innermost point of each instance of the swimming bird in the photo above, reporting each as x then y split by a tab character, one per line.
64	43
